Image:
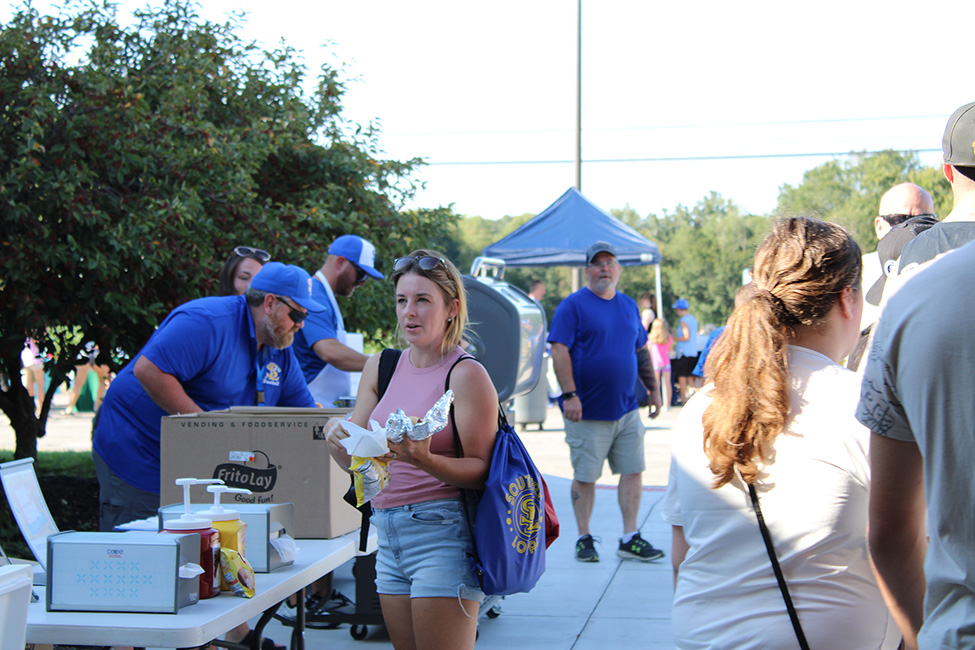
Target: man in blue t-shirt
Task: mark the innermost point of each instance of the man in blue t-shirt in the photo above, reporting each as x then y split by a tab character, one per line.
599	345
326	360
209	354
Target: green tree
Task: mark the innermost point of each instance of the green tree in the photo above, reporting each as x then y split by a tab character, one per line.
704	251
848	192
133	159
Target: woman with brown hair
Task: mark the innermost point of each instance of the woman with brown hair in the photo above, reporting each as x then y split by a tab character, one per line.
779	416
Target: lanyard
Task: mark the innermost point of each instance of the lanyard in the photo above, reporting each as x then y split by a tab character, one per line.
339	323
260	377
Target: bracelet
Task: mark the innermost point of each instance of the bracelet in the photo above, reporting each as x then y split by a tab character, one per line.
569	395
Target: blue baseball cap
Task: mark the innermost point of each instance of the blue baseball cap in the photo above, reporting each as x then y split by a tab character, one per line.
286	280
682	304
358	251
597	248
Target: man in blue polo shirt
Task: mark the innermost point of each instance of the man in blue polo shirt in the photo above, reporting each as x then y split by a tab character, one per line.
598	348
208	354
321	346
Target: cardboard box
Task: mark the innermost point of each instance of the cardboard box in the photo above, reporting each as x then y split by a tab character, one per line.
280	454
136	571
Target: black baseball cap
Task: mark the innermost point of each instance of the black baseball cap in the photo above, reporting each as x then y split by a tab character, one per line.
889	250
958	143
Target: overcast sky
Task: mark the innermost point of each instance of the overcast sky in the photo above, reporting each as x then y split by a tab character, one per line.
678	98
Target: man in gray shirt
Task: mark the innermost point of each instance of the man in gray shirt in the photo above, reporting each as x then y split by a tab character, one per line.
916	400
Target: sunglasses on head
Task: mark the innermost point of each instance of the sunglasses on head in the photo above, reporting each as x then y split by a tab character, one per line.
426	263
295	315
247	251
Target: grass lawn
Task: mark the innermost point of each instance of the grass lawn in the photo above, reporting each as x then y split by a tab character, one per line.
67	480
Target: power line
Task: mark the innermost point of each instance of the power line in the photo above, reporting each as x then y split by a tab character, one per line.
820	154
674	126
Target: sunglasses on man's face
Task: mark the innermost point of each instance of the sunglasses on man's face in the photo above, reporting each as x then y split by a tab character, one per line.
897	219
247	251
360	273
295	315
426	263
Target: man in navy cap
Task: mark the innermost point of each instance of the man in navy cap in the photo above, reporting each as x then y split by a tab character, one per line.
598	351
208	354
321	347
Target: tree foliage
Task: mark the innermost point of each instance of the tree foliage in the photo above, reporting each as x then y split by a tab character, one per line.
704	250
848	192
473	234
134	158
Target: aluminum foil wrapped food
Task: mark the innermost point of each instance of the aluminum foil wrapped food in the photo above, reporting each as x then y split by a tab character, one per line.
400	425
369	470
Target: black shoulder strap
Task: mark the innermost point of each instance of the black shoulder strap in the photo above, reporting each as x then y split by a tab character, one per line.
777	570
387	365
458	448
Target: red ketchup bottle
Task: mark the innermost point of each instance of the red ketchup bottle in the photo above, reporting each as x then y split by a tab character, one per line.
209	538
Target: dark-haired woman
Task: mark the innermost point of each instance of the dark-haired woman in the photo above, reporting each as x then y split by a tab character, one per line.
242	265
779	416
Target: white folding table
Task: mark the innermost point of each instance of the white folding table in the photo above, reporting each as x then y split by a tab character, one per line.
197	624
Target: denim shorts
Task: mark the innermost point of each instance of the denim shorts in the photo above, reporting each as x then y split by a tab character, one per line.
423	551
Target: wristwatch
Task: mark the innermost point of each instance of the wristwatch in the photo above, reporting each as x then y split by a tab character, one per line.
569	395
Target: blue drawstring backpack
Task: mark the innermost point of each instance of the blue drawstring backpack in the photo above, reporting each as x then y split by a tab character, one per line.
509	529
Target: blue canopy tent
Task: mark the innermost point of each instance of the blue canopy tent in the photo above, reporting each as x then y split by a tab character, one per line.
560	235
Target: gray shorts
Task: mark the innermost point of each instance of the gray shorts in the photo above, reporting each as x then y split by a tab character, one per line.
593	441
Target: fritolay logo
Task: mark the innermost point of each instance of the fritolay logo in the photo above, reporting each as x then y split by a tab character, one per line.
272	374
524	515
255	479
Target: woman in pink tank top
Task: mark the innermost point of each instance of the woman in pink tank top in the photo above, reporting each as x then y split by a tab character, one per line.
428	594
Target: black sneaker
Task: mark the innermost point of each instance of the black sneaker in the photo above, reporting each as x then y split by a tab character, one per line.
638	549
585	551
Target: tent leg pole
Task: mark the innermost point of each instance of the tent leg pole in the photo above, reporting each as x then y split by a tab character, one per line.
660	297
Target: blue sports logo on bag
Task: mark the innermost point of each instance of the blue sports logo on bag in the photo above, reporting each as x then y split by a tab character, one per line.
525	514
509	528
508	532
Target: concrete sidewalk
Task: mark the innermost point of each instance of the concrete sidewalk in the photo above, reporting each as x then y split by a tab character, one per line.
576	605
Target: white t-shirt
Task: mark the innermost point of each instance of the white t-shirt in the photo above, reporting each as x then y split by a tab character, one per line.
871	273
814	500
917	387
